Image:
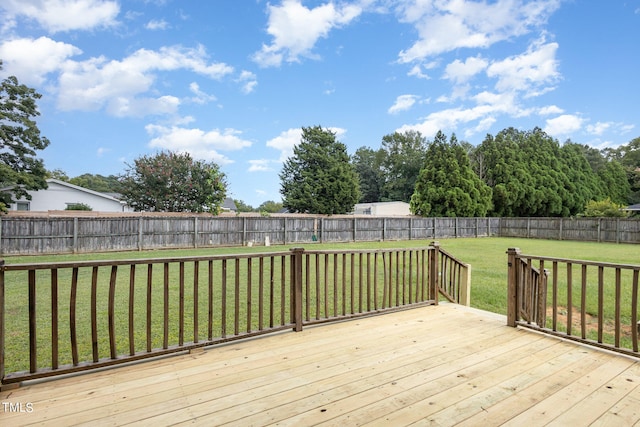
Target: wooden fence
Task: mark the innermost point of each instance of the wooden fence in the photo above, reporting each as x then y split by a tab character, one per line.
44	235
591	302
611	230
58	318
21	235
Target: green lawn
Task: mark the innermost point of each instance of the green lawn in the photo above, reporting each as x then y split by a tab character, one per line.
487	257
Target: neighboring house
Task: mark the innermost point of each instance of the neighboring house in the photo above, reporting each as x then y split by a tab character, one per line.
61	194
229	205
382	209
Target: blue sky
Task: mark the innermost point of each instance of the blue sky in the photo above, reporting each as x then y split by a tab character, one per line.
234	81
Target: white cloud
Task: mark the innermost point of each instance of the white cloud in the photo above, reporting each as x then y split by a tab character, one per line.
403	103
248	81
285	142
461	72
198	143
32	59
261	165
296	29
563	125
599	128
550	110
291	137
139	107
416	71
444	26
64	15
467	121
156	24
98	82
200	96
528	72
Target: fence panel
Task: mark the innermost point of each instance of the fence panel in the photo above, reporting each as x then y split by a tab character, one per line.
37	235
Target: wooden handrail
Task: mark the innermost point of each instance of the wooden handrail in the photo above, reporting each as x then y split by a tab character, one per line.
588	301
104	313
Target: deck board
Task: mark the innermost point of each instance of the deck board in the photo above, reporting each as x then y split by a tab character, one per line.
444	365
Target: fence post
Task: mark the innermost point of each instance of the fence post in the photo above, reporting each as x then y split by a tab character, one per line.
512	286
75	235
284	228
140	233
384	228
296	288
195	232
434	276
465	285
354	229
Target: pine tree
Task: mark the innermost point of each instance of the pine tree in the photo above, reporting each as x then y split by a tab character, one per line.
318	178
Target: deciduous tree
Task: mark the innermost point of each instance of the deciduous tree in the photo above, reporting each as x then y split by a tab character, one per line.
173	182
404	157
20	139
368	166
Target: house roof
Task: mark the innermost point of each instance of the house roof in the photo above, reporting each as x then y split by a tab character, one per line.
229	204
84	190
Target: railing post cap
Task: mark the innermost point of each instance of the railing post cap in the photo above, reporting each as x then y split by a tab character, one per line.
513	250
434	243
297	249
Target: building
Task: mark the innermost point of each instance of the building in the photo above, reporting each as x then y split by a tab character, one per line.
382	209
59	195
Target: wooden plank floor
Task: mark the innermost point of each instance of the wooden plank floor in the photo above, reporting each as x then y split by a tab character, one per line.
444	365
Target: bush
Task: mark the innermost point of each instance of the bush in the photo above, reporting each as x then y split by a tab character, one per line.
604	208
78	207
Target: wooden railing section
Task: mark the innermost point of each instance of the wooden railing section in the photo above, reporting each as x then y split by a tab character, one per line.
59	318
591	302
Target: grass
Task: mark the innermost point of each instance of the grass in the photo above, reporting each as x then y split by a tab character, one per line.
487	257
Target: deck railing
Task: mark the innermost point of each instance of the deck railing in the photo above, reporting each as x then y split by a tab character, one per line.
58	318
591	302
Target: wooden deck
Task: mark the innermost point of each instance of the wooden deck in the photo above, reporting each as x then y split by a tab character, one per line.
444	365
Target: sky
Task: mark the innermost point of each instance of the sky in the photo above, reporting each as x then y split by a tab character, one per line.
233	82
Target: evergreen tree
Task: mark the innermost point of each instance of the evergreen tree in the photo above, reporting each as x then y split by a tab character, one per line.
447	185
318	178
532	175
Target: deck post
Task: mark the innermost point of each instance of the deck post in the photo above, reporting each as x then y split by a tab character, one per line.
434	276
465	285
296	288
512	286
2	326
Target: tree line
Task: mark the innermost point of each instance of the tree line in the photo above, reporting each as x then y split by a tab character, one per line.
513	173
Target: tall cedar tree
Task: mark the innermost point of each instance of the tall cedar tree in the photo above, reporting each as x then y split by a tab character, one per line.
531	174
173	182
447	185
20	137
318	178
